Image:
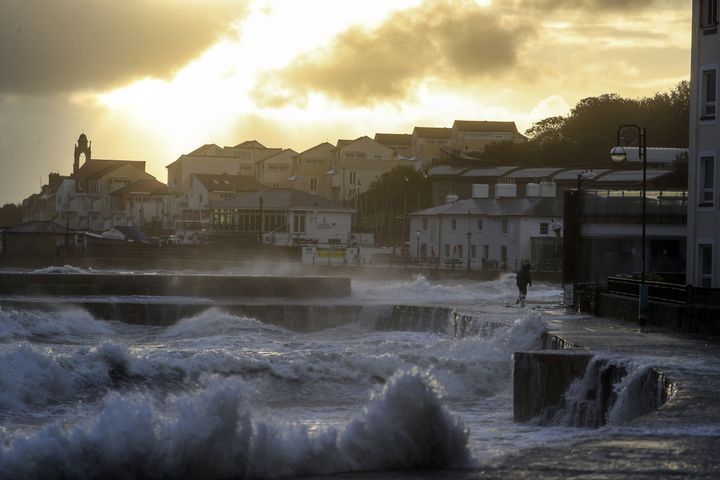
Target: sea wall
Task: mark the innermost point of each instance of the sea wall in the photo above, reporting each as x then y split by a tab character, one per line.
541	378
576	388
213	286
683	318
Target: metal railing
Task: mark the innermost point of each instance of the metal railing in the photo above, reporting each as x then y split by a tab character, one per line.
665	292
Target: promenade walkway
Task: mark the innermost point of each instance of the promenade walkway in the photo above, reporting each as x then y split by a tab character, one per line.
679	440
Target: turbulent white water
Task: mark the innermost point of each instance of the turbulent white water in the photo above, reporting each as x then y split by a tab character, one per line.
218	395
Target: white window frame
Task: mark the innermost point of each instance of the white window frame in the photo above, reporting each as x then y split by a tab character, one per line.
314	183
708	92
704	279
708	14
706	183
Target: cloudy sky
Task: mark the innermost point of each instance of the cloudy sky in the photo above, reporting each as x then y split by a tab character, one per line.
152	79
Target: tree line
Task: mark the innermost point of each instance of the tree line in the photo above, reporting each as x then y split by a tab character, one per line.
583	137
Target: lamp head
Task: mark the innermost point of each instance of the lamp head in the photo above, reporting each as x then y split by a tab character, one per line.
618	154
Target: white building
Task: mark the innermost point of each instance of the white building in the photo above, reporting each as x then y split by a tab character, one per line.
482	232
242	159
356	164
283	217
703	230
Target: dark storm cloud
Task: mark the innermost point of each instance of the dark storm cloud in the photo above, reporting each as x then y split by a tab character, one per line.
601	5
442	38
50	46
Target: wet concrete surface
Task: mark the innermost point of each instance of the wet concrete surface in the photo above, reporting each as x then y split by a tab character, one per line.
679	440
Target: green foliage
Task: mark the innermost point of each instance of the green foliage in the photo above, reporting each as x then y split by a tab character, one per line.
10	215
384	208
587	133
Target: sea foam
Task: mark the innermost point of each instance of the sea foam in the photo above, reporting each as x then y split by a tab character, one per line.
211	433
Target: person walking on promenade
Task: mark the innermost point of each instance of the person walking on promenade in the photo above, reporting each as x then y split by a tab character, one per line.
523	280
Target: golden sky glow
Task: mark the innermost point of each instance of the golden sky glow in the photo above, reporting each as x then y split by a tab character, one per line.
152	79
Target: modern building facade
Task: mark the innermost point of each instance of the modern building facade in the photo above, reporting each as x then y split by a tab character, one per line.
703	230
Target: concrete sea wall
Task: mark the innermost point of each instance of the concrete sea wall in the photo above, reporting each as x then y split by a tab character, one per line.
569	385
214	286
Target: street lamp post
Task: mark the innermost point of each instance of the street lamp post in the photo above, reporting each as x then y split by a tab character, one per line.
260	225
469	234
417	246
619	155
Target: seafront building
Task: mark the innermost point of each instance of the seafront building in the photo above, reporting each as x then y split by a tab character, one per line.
500	232
703	233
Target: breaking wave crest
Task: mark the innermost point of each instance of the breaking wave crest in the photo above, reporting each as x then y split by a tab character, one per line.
36	323
212	433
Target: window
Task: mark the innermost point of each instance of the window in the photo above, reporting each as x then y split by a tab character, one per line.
473	251
709	94
504	226
447	249
486	252
353	178
544	228
424	224
707	181
479	225
313	183
299	222
453	224
503	255
708	14
705	260
459	249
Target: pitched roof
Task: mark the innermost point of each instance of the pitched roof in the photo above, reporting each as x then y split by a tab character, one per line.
225	182
342	143
150	186
485	126
281	199
200	150
533	172
317	146
38	226
498	207
97	168
433	132
250	144
488	172
388	139
275	154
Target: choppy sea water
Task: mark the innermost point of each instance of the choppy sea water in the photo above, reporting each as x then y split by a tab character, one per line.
224	396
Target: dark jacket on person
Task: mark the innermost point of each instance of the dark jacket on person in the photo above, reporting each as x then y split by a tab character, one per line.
523	278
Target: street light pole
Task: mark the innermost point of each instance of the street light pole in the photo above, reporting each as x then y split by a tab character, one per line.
260	225
618	155
417	246
469	234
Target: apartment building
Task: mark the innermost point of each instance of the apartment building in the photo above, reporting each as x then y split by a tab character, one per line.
427	144
703	239
242	159
275	171
311	172
357	163
474	136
